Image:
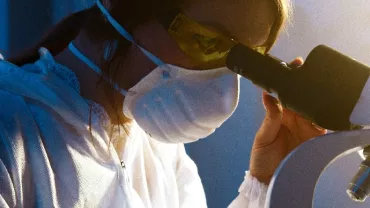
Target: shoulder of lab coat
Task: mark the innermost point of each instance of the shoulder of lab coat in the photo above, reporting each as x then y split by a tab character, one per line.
252	194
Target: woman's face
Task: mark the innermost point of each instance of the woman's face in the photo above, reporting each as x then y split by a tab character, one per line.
247	21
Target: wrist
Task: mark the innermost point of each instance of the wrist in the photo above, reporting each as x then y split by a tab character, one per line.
265	179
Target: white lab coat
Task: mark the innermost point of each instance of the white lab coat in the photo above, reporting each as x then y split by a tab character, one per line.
50	158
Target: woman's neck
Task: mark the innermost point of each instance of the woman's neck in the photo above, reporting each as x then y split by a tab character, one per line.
92	87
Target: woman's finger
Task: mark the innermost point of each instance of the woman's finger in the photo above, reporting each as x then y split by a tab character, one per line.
309	126
272	106
272	122
297	62
288	118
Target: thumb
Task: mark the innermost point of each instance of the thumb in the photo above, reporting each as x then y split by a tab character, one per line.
271	124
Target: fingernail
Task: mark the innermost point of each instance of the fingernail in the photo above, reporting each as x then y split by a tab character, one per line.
297	62
317	127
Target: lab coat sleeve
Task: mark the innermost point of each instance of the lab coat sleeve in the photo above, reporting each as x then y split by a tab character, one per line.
191	192
252	194
7	191
14	169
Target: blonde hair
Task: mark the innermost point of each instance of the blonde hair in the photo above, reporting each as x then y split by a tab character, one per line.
283	16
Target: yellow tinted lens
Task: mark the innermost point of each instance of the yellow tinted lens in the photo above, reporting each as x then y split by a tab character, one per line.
207	48
261	49
204	46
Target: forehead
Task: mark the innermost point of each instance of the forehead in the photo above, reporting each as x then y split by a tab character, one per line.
248	21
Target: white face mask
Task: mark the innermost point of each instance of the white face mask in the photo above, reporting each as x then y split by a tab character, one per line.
173	104
186	105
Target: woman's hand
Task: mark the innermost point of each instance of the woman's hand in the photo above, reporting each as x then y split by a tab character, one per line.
281	131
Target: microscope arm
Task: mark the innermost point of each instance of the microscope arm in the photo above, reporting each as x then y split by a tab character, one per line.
293	183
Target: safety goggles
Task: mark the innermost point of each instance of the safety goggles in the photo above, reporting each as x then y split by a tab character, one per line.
206	47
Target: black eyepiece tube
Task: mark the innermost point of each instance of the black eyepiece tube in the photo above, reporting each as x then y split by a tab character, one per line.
263	70
324	90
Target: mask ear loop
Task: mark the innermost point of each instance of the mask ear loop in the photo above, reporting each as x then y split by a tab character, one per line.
166	73
94	67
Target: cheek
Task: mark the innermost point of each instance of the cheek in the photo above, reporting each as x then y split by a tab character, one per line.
135	67
255	36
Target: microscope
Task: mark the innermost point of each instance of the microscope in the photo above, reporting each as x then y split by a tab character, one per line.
333	91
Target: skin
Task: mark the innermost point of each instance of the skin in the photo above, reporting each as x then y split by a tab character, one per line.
247	21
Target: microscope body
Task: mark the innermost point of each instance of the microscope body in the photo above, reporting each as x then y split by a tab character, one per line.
330	89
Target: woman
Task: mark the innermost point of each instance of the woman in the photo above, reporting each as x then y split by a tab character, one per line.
66	142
